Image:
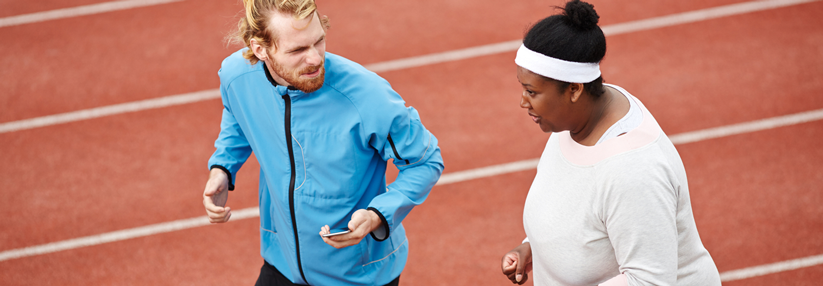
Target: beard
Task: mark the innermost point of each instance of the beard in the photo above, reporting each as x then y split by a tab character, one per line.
293	76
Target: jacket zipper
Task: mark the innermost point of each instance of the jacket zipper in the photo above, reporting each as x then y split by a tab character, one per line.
291	184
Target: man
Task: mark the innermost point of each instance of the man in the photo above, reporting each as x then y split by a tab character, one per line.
322	128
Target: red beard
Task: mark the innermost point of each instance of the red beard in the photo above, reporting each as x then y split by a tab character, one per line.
293	77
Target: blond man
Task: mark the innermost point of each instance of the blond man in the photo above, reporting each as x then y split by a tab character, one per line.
322	128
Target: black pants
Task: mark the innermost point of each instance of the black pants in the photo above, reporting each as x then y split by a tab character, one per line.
270	276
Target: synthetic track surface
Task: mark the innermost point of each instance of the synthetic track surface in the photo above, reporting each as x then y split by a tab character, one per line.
756	196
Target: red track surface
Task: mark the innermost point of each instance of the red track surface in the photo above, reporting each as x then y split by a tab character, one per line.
756	196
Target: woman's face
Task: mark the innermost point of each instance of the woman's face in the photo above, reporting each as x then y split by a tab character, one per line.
547	106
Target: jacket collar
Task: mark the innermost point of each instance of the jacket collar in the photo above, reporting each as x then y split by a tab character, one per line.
281	90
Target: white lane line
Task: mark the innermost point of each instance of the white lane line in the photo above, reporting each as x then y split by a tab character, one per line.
109	110
700	15
761	270
418	61
443	57
608	30
747	127
122	235
456	177
460	176
79	11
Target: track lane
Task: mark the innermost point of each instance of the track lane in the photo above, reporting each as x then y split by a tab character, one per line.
79	11
764	125
460	209
15	8
725	70
104	175
801	277
756	196
227	254
474	134
116	57
405	25
458	236
424	99
119	76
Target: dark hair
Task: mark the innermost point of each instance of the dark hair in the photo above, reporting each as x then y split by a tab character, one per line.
571	36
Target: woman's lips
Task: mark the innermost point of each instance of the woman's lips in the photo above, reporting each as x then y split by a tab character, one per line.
535	118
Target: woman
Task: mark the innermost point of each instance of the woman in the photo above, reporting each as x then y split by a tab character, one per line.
610	202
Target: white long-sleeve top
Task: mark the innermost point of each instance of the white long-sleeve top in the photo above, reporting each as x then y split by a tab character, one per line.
619	207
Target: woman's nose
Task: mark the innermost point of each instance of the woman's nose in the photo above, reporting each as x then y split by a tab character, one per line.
524	102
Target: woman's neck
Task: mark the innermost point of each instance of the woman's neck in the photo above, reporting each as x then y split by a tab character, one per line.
604	112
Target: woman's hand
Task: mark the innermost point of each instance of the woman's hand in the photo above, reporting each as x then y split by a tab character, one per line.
518	263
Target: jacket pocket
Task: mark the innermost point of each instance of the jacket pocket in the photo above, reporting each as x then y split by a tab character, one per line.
326	165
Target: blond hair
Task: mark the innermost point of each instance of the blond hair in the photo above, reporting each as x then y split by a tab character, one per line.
254	23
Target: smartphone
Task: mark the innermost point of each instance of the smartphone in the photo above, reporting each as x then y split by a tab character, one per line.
337	233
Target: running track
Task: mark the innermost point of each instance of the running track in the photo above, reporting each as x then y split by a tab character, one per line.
755	192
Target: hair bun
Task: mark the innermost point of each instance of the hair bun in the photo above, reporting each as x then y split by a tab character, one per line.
581	14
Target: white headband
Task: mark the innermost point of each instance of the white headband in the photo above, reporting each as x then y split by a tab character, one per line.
556	68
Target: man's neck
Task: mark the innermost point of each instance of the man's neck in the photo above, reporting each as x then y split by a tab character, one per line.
271	76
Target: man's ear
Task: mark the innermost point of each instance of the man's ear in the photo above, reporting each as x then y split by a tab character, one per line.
258	50
576	90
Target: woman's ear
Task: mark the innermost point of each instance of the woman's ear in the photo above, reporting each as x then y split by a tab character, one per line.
576	90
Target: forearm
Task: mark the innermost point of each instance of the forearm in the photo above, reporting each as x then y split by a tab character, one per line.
231	148
411	188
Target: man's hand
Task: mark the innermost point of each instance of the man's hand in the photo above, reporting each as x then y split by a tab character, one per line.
362	223
518	263
216	195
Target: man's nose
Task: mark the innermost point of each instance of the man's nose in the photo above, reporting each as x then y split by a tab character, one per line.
314	58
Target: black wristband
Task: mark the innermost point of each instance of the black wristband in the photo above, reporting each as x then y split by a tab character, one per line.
231	186
385	225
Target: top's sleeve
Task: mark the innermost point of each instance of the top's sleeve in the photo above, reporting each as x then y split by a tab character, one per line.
232	147
396	132
640	218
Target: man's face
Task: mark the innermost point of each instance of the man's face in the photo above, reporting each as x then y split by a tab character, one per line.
300	53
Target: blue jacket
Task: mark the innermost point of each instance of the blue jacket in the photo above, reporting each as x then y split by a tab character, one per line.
322	156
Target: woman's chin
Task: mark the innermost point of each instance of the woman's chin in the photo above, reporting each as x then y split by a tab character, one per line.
546	129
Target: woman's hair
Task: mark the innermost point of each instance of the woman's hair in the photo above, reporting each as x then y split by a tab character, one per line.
571	36
254	22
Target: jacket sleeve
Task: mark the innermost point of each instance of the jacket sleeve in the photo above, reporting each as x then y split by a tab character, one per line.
232	146
397	133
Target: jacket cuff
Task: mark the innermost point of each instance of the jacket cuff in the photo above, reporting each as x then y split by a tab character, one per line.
380	234
231	185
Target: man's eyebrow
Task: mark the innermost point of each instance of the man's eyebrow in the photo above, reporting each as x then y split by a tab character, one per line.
298	48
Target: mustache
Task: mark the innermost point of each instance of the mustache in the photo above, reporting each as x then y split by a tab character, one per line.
311	69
